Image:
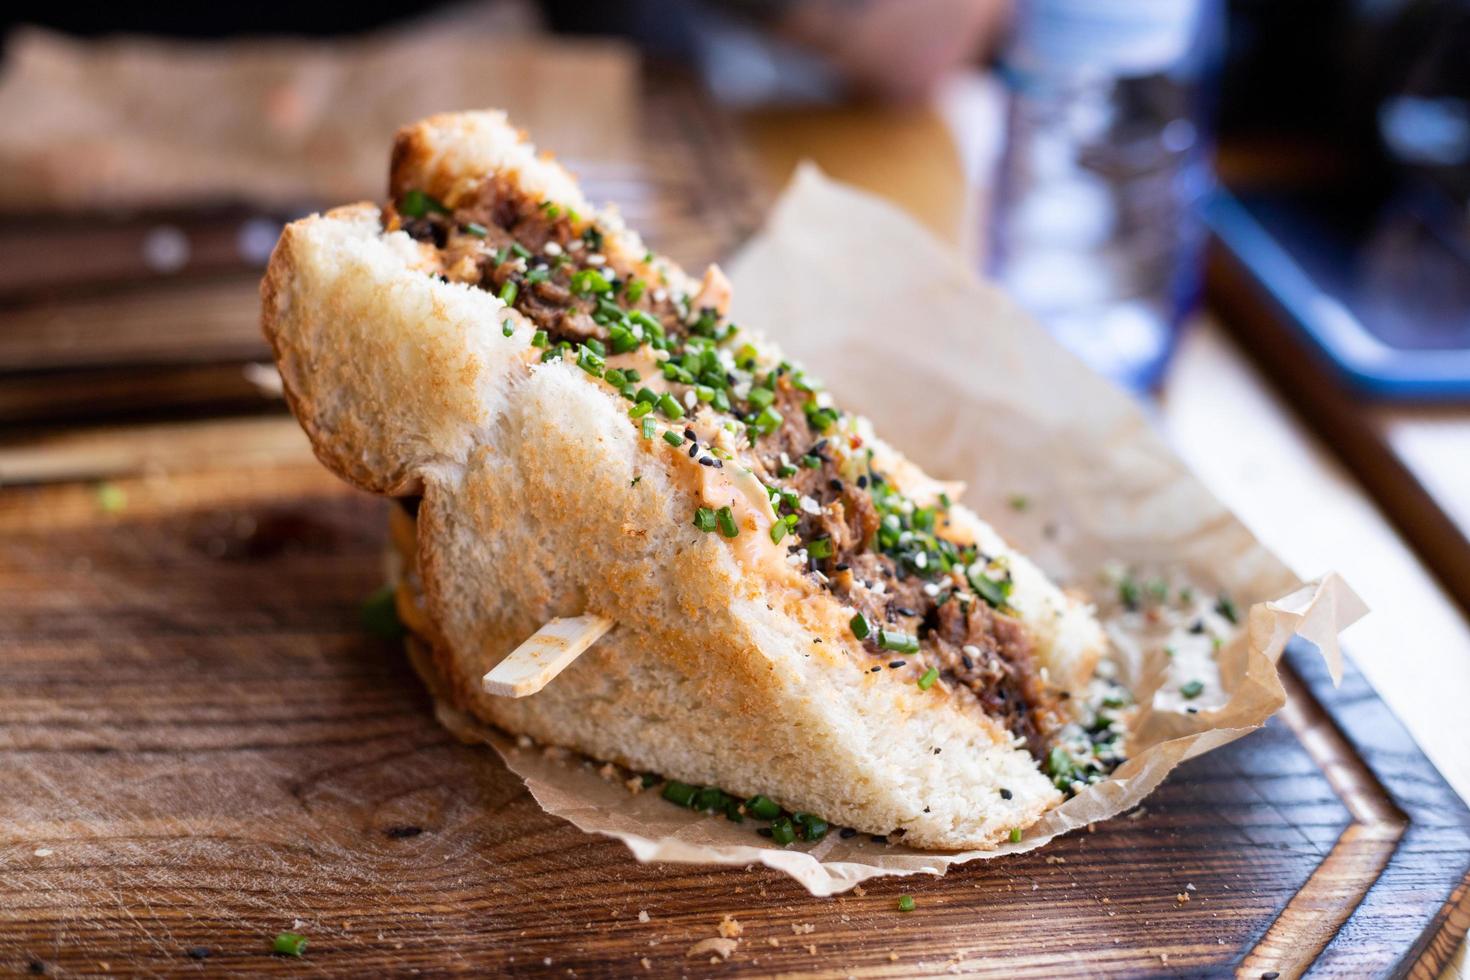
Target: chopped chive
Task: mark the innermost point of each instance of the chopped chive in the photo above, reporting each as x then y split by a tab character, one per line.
520	250
538	274
1192	690
476	229
670	407
905	903
1225	606
590	281
897	641
859	627
615	377
778	531
639	410
416	204
722	400
501	254
289	944
811	462
1128	593
761	397
680	793
819	548
782	832
650	426
596	345
1015	835
507	327
588	360
786	470
1018	501
508	292
380	614
813	827
762	807
674	438
648	395
930	676
704	518
540	339
726	519
633	291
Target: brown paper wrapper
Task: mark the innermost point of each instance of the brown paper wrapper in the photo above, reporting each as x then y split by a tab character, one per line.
972	389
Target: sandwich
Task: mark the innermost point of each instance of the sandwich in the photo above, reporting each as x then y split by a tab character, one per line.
572	426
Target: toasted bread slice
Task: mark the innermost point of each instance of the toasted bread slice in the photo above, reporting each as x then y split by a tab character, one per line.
734	662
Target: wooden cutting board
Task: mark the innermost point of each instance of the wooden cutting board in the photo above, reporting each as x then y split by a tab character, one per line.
201	747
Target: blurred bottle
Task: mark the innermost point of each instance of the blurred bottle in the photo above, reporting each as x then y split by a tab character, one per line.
1096	227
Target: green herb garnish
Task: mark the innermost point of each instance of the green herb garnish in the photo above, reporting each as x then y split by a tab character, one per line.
859	627
289	944
898	641
1192	690
930	676
416	204
725	517
379	614
905	903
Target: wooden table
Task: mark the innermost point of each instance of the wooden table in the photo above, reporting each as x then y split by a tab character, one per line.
207	749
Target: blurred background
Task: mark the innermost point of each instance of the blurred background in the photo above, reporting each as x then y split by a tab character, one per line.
1253	214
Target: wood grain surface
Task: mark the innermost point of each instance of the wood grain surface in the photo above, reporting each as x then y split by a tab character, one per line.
203	748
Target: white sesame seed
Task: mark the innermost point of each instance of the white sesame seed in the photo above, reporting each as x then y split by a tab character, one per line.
659	295
552	249
575	245
809	505
930	589
690	398
596	259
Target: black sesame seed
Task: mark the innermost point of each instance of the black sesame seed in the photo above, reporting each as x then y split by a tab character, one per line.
835	484
862	483
843	566
879	838
707	461
965	659
895	664
905	611
693	450
689	434
937	750
1005	794
1270	975
874	669
847	833
1198	626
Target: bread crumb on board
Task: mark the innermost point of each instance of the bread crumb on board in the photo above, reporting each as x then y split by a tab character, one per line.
723	948
730	927
643	915
805	928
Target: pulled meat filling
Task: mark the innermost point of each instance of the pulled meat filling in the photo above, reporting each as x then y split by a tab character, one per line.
921	601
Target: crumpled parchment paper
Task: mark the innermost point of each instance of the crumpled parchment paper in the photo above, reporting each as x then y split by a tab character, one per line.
962	381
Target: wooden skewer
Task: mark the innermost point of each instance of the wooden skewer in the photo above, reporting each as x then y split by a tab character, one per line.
548	652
